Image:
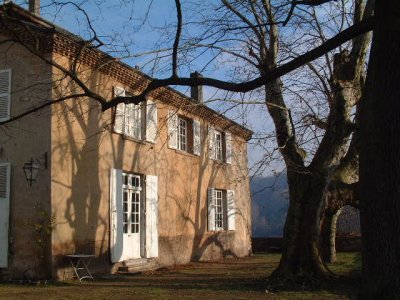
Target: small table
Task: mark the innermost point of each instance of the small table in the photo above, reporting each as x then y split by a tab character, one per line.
80	263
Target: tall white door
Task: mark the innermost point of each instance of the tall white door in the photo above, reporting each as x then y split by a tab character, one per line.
131	215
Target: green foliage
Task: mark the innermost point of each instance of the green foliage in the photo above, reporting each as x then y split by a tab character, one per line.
42	226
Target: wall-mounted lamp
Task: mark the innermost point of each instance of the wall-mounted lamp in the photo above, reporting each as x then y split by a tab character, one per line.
31	168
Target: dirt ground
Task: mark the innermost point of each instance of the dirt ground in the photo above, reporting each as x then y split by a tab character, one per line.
243	278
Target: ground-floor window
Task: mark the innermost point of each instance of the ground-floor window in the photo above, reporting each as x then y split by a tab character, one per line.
221	209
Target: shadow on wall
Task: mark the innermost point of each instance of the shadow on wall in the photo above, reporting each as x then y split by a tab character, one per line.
191	240
84	151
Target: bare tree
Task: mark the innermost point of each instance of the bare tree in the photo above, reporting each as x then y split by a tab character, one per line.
254	26
380	160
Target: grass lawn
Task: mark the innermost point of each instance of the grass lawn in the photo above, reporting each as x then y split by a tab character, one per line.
243	278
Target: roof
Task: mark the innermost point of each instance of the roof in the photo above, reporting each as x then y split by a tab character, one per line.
59	40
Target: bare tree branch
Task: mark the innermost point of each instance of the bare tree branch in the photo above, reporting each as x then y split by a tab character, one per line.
342	37
177	38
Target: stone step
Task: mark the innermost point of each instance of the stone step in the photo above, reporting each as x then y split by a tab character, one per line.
135	262
138	266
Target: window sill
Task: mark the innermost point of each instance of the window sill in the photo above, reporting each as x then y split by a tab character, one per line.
132	139
185	153
220	162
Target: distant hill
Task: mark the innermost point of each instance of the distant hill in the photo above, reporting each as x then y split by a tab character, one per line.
270	203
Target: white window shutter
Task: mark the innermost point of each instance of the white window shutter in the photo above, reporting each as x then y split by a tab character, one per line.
4	212
119	122
5	94
137	121
211	143
172	129
116	239
211	209
228	147
151	216
196	137
129	120
231	209
151	121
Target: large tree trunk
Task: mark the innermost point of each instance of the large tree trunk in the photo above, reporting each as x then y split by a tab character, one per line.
301	262
380	159
328	237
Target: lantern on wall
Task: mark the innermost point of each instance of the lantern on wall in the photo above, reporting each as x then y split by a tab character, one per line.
31	170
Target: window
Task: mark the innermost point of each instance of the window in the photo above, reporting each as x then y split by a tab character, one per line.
183	133
221	210
220	145
136	121
131	198
133	215
217	146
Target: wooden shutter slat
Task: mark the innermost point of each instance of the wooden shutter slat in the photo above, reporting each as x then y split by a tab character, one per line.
5	94
228	147
172	129
119	118
231	209
116	238
211	143
151	121
151	216
5	174
196	137
211	209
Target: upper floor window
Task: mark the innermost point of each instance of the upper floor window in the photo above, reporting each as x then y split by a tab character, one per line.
183	133
136	121
220	145
217	146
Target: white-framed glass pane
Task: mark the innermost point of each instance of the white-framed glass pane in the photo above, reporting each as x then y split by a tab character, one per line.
219	209
133	121
131	189
125	211
218	145
182	134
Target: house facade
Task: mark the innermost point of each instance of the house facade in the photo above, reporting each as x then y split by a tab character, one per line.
163	182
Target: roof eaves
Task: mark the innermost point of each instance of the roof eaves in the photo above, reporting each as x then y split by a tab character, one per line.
46	26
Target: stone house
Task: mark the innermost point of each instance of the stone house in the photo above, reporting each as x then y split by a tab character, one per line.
159	183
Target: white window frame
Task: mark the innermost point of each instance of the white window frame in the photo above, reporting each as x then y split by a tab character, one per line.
133	121
137	121
218	145
179	128
182	128
132	187
221	210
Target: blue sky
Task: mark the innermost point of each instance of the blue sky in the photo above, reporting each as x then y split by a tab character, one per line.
138	25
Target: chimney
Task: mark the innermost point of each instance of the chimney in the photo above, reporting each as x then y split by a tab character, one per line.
34	7
196	91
